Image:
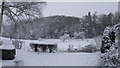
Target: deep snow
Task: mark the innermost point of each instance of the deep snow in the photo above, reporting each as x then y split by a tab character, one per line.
26	57
30	58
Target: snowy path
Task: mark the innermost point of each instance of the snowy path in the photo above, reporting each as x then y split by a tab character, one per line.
55	59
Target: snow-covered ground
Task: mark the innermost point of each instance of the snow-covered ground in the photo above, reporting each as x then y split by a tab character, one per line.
26	57
77	44
29	58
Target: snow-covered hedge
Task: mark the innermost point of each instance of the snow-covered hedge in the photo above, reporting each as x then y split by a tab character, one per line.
89	48
98	43
110	57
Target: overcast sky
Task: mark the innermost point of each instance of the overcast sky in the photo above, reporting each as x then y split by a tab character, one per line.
79	9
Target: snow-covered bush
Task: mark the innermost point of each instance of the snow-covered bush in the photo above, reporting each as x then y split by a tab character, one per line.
40	39
110	55
80	35
98	41
64	37
89	48
76	35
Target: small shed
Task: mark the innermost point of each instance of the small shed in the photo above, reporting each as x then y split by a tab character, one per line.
7	48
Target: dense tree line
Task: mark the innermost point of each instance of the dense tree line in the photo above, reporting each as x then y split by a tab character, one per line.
95	24
56	26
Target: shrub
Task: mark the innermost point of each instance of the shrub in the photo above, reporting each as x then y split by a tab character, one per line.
89	48
110	57
110	53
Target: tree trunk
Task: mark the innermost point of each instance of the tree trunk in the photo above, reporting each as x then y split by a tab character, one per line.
1	17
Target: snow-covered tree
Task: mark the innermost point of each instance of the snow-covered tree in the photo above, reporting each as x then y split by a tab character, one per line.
76	35
109	50
80	35
17	11
64	37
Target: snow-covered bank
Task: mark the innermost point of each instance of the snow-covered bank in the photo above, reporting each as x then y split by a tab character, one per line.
54	59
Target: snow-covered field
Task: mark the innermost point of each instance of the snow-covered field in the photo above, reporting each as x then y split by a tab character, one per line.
62	46
76	43
29	58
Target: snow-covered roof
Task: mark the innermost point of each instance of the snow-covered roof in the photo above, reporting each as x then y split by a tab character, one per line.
48	41
6	43
42	42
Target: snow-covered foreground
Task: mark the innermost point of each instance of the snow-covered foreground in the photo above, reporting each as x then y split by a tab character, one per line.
54	59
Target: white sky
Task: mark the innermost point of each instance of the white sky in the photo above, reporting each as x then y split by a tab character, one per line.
79	9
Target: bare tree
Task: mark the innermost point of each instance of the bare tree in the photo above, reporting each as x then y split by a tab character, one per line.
22	10
17	11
